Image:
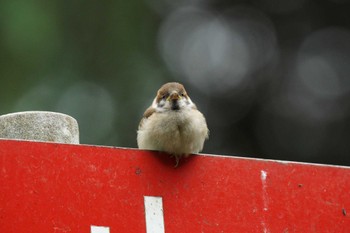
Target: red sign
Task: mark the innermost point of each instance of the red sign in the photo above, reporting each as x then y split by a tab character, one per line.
46	187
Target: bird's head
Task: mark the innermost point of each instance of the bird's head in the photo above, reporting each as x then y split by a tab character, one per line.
172	96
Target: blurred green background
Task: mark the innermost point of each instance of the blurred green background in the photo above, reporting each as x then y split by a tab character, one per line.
272	77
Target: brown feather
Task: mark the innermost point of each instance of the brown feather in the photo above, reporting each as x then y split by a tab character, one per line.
149	111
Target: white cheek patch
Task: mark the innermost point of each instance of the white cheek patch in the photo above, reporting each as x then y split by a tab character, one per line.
189	102
183	103
161	103
161	106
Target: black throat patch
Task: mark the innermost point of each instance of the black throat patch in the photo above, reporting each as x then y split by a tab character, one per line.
175	105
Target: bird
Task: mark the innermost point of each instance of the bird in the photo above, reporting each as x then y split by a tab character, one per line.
173	124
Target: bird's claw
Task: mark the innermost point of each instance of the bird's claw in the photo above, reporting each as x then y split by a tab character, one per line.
177	160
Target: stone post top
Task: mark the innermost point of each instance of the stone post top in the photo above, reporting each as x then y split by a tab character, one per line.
34	112
40	126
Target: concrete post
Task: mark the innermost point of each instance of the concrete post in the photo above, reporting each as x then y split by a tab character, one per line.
40	126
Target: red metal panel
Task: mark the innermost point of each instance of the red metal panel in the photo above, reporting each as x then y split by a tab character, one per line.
48	187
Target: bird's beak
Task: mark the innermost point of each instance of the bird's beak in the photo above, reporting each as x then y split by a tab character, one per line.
174	96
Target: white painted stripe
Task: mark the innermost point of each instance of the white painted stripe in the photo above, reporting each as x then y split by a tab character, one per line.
97	229
265	197
263	176
154	214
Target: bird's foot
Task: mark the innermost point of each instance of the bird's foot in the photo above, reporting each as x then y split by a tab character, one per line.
177	159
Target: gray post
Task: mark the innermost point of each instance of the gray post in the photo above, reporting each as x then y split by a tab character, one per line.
40	126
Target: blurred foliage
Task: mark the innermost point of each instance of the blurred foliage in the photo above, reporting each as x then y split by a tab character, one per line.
272	77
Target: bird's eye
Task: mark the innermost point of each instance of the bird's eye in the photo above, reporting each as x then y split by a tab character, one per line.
183	94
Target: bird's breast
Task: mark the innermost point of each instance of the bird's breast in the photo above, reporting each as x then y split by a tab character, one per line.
176	132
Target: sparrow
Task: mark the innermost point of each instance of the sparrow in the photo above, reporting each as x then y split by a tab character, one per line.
172	124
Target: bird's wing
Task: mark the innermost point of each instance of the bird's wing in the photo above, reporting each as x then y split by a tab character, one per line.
149	111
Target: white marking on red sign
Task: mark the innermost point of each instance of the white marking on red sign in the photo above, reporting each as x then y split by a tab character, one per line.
263	176
98	229
154	214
